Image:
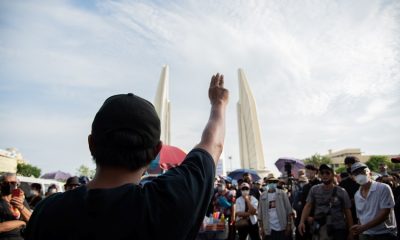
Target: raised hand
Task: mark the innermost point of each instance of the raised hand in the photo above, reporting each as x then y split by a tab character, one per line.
217	93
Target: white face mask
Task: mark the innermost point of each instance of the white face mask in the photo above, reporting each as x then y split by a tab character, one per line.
34	192
302	184
221	188
245	192
361	179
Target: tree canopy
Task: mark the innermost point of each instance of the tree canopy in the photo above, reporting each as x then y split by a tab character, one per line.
28	170
317	160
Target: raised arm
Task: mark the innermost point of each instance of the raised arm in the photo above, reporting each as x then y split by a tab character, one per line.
212	139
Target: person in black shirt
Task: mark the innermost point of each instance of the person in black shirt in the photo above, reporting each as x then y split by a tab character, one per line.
125	138
14	210
311	174
350	185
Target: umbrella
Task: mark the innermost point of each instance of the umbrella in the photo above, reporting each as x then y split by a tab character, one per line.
167	158
59	175
295	163
238	174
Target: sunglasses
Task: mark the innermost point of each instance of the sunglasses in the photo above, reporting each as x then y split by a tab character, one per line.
245	189
11	183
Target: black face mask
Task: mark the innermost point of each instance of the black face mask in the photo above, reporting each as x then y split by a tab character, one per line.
6	189
348	170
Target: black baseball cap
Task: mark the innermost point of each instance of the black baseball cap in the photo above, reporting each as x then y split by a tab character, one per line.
311	167
128	112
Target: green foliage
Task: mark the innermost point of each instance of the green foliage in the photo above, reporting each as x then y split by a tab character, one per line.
341	169
317	160
374	161
85	171
28	170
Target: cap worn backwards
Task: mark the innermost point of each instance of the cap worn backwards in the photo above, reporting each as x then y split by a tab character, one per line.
130	113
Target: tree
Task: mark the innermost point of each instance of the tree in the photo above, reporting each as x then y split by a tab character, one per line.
317	160
28	170
85	171
374	161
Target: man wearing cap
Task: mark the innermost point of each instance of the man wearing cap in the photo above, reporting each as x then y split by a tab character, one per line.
374	204
275	212
72	183
246	210
125	138
332	215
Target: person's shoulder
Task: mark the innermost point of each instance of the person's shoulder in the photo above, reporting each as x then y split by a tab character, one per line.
316	187
382	186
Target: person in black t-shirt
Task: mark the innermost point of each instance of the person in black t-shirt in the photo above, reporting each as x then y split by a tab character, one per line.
350	185
125	138
14	210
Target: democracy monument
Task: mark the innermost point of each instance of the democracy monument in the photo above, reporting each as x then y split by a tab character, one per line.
251	148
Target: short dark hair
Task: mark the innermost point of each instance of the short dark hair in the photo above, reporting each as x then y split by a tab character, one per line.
351	160
311	167
36	186
125	132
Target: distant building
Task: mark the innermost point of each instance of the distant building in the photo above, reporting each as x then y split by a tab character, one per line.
9	159
338	157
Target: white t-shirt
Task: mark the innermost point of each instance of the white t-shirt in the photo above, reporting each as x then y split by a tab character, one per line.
273	216
241	207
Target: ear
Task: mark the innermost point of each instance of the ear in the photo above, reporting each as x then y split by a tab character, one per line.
91	143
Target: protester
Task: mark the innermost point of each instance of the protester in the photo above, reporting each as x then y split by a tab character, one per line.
374	203
332	215
36	195
254	191
275	213
350	185
298	204
52	189
383	169
125	138
72	183
14	210
223	200
246	212
311	174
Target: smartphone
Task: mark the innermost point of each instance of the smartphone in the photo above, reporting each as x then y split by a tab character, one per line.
16	192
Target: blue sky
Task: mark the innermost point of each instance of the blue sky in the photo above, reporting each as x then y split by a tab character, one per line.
325	74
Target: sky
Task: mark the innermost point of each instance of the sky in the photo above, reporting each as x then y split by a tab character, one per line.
324	74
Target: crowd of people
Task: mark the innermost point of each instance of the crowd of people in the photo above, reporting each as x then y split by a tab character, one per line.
125	138
317	204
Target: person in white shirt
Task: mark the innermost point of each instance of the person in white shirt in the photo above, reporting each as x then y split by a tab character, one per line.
275	213
246	210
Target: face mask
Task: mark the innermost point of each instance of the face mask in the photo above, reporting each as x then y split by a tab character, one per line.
265	188
348	170
272	186
302	184
221	188
361	179
245	193
34	193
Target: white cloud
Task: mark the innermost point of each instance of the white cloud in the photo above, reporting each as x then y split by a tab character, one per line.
313	67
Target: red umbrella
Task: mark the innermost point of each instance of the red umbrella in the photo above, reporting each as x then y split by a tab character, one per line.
170	157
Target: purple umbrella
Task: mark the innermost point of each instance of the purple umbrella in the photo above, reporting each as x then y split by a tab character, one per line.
61	176
295	163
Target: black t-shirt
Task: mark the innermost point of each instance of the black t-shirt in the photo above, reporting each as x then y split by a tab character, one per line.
351	188
5	216
172	206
